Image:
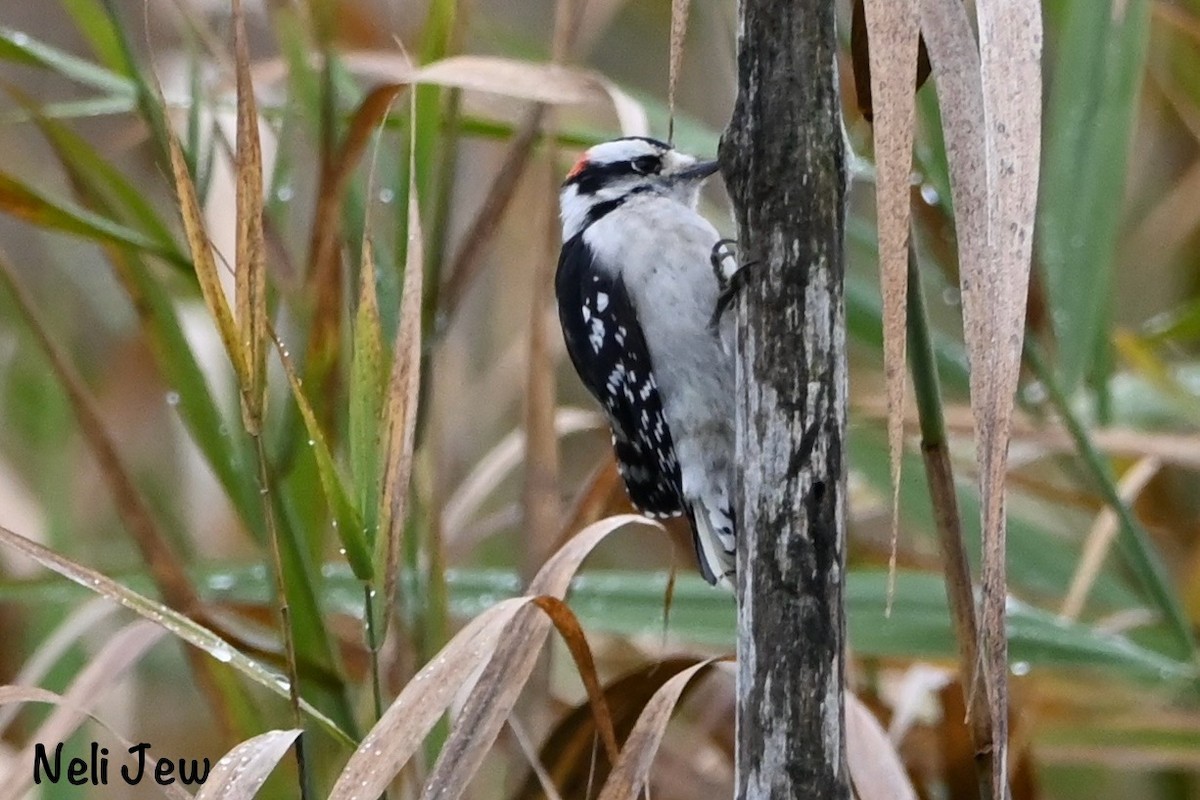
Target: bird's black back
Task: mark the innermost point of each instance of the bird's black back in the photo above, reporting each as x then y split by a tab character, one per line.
609	352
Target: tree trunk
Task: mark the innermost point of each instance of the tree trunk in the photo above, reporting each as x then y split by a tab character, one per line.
783	161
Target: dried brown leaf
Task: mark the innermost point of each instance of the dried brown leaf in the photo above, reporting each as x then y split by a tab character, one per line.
466	264
101	672
166	569
325	267
955	58
540	495
1103	533
205	262
492	699
240	773
572	633
181	627
250	264
54	646
546	83
537	769
365	121
400	412
679	22
496	636
629	774
13	695
498	463
994	298
894	32
568	752
399	732
993	130
876	769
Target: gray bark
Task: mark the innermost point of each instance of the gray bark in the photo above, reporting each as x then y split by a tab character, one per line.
783	161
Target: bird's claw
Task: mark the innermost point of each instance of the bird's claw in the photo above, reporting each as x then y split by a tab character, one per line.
730	282
723	251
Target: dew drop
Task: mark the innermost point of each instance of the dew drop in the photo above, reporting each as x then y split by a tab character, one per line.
172	398
285	193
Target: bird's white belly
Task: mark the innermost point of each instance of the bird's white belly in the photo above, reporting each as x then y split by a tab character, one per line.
664	251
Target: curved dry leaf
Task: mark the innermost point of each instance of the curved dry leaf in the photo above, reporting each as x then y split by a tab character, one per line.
403	727
893	33
537	82
529	750
182	627
572	633
1103	533
631	114
497	463
240	773
13	695
81	620
382	65
876	769
494	695
122	650
629	774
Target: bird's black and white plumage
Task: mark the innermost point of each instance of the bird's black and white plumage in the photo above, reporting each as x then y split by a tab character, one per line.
636	290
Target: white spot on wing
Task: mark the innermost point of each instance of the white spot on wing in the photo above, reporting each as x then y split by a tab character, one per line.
601	301
596	337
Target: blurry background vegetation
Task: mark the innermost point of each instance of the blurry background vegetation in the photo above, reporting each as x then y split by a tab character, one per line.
1105	703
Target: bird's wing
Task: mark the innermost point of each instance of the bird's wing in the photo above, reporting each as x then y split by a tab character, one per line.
606	345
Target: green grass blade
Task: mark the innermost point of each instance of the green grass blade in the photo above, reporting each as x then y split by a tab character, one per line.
21	48
95	23
1133	539
1090	117
21	200
104	182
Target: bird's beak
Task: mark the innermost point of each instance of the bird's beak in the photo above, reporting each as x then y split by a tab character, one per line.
698	171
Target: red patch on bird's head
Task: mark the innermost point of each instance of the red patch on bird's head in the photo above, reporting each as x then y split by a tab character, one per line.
579	166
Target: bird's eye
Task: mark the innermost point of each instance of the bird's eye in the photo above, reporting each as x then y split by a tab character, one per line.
646	165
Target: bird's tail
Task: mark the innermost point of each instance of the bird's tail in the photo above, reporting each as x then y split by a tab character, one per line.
713	532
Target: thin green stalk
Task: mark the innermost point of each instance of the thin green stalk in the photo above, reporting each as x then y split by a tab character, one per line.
285	621
940	474
373	645
1134	540
439	232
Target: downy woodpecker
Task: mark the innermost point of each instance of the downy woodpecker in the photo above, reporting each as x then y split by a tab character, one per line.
636	291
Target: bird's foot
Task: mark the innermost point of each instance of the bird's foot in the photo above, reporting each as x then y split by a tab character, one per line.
730	279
